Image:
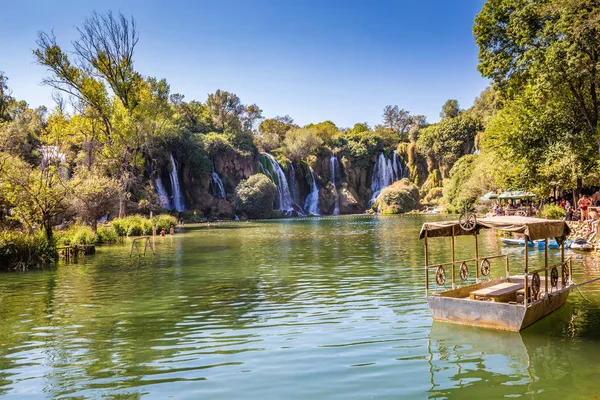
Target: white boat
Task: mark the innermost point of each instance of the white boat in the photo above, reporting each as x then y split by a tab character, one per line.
581	245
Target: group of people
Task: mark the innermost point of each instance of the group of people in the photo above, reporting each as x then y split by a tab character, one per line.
585	210
162	231
511	209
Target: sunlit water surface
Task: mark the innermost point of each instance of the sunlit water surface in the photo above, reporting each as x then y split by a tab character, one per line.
295	309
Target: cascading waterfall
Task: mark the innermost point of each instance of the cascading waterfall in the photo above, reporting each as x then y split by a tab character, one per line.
285	197
163	197
216	184
334	167
177	196
385	172
293	188
312	200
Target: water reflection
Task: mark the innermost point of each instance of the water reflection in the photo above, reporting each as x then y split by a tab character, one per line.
310	308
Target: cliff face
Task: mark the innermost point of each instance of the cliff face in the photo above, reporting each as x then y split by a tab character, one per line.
350	190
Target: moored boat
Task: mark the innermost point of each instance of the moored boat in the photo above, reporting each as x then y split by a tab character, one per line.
511	302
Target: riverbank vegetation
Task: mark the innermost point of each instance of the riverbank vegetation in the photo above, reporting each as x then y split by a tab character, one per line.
118	142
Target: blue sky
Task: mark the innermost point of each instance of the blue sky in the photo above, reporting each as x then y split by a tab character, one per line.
314	60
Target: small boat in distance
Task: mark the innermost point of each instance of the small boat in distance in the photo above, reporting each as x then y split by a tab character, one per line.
508	301
552	244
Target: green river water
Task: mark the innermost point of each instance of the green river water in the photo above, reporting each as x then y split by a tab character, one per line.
296	309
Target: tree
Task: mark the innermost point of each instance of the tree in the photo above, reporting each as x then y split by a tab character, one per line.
93	196
299	143
225	110
278	125
255	196
326	130
5	97
450	109
37	196
448	140
552	44
398	120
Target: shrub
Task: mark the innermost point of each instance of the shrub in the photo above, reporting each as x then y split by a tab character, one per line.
163	221
399	197
107	234
217	143
75	235
19	251
552	211
255	196
137	225
191	216
300	142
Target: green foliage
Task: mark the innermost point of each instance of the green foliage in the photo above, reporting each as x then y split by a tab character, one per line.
138	225
76	234
327	131
191	216
449	139
107	234
217	143
400	197
165	221
299	143
552	211
19	251
255	196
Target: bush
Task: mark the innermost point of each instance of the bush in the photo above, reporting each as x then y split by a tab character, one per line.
399	197
163	221
300	143
107	234
19	251
552	211
76	235
191	216
255	197
137	225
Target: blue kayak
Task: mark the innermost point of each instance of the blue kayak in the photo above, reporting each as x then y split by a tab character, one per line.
536	243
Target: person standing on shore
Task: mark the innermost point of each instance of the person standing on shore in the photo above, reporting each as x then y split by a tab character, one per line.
583	204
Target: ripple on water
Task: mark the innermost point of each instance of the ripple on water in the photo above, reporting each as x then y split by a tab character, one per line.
293	309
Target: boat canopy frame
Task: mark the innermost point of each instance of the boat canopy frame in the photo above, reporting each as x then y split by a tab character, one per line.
531	228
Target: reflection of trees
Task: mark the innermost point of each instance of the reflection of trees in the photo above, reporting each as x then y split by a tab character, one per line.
210	295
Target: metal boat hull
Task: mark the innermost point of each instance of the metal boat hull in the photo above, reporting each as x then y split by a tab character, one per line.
505	316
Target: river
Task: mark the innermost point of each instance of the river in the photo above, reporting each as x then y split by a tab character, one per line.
295	309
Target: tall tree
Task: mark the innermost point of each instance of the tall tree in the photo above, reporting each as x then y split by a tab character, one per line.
450	109
554	44
398	120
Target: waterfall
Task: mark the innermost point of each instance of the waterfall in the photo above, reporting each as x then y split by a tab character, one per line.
334	167
312	200
293	188
385	172
216	185
163	197
278	177
177	196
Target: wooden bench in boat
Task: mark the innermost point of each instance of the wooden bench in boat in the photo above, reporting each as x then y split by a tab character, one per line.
500	292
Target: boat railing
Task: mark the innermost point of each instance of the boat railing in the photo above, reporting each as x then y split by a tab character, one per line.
532	279
483	269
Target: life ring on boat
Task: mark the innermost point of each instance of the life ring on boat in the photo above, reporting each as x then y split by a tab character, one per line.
440	276
554	277
535	285
464	271
485	267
